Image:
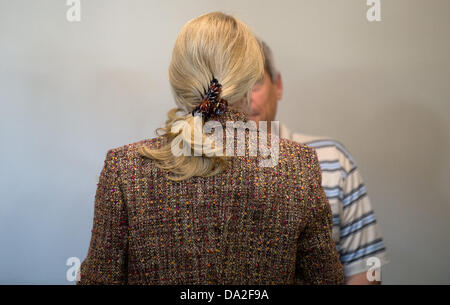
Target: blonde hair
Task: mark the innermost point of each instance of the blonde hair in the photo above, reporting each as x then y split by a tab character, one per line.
212	45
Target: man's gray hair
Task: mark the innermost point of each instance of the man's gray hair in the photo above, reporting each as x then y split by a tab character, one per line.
269	64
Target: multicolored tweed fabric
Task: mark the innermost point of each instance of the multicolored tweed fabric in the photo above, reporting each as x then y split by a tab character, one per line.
246	225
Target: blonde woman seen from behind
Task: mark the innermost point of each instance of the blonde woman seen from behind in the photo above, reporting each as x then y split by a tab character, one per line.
211	218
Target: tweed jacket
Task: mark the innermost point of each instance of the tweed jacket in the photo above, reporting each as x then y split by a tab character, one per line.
246	225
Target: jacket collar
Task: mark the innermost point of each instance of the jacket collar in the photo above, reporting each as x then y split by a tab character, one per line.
231	115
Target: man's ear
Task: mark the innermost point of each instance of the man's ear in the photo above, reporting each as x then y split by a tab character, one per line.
279	87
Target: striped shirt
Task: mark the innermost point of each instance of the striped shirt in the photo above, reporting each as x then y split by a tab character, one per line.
355	229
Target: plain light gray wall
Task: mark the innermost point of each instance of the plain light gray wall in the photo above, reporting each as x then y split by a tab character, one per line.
71	91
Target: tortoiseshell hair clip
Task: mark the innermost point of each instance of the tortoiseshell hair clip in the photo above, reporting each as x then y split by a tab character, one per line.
212	104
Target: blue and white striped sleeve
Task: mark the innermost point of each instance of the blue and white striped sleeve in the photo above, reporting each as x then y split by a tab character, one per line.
359	234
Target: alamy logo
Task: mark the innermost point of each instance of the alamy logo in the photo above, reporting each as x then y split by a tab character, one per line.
374	272
73	273
208	140
74	12
374	12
